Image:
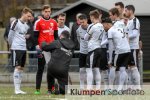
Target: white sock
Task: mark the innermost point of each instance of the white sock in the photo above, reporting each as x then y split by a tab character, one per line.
129	78
82	77
111	77
17	80
135	77
117	75
123	78
97	77
89	78
105	78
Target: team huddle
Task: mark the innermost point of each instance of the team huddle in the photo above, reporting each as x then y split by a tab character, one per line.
118	36
109	49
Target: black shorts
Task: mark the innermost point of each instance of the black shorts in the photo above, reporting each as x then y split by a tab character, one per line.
133	58
121	60
18	58
103	59
82	60
94	57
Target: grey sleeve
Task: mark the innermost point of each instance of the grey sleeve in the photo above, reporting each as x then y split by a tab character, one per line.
78	36
110	49
10	36
12	30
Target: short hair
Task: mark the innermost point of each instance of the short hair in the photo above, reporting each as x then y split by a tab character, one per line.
95	13
62	15
77	15
46	7
119	4
26	10
114	11
130	7
65	34
83	16
106	20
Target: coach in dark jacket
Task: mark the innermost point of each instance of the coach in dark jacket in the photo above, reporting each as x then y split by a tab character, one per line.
58	66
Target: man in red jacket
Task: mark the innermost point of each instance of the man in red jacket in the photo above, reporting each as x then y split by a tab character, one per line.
45	30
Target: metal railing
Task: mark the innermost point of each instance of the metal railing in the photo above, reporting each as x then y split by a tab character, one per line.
6	62
74	63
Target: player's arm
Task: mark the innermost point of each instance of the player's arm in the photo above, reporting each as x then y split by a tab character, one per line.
89	33
78	35
134	34
110	47
49	47
36	33
104	41
55	34
110	50
55	28
12	32
135	30
86	37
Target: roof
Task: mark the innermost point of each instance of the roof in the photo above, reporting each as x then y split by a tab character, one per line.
141	6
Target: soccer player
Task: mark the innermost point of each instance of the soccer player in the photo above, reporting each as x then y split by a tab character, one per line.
46	30
103	64
58	66
75	26
61	23
120	7
94	37
133	30
118	38
17	41
81	31
117	22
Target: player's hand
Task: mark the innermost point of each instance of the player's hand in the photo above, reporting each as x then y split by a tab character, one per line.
109	65
27	36
44	43
39	51
37	47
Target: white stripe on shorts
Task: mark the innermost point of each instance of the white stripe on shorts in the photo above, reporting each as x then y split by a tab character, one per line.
91	59
115	60
134	57
14	58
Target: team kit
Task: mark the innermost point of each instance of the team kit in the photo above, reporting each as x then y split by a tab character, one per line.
109	49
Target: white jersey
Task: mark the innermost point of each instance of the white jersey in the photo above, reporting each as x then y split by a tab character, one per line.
83	43
16	36
95	31
61	29
119	39
104	38
133	27
119	24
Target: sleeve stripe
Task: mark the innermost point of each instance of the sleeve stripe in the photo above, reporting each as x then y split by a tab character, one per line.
90	28
35	25
110	38
14	24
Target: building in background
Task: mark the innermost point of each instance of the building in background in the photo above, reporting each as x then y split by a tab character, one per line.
12	7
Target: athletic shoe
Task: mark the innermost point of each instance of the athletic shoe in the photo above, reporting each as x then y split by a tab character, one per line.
20	92
49	92
37	92
56	89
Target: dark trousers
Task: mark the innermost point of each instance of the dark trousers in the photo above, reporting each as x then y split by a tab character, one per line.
39	74
62	80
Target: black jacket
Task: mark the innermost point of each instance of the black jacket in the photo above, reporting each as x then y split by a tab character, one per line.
74	35
31	40
61	54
